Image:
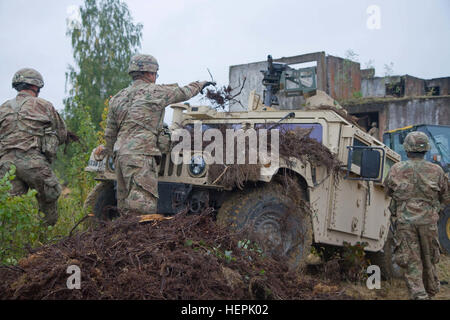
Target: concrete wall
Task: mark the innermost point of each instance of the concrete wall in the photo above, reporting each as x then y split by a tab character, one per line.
418	111
442	83
375	87
343	78
367	73
398	113
414	86
253	75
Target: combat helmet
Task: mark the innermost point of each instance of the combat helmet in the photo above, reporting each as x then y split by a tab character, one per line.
416	142
28	76
143	63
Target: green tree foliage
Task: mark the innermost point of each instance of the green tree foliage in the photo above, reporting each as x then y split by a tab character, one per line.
70	165
20	223
103	43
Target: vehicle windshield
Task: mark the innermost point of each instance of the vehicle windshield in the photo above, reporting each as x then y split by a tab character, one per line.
397	144
316	132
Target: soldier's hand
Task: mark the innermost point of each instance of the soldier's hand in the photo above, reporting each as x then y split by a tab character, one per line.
205	84
100	153
72	137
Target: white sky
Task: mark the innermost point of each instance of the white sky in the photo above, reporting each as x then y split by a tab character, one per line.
187	37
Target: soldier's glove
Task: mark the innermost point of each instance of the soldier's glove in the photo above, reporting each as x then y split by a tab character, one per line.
205	84
100	153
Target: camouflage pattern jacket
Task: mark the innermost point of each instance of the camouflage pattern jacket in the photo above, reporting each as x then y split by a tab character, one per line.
418	187
26	120
136	116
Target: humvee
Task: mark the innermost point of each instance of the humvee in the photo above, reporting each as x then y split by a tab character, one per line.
350	207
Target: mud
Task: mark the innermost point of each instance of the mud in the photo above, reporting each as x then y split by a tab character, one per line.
189	257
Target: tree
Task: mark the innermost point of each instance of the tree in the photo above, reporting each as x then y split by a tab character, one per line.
103	42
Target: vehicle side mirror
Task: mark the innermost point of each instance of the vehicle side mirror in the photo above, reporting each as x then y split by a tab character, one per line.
370	164
369	159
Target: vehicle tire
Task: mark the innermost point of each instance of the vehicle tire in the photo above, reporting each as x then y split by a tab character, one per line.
385	260
282	225
444	230
101	201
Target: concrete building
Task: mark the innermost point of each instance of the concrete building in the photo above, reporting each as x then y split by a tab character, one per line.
338	77
392	102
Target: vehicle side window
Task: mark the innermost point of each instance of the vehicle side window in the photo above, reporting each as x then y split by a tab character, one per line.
357	154
397	145
235	126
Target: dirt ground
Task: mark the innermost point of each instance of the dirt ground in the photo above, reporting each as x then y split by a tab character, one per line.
396	289
189	257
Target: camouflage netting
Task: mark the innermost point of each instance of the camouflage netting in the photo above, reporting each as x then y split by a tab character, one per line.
295	143
344	114
188	257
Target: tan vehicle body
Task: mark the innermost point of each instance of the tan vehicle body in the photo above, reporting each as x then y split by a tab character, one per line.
343	211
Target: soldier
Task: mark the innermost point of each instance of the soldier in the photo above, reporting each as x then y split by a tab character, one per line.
30	132
134	132
374	131
417	188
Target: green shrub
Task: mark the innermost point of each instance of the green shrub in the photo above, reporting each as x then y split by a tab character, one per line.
21	223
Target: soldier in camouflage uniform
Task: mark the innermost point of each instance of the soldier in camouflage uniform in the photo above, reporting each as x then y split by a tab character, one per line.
134	126
417	188
374	131
30	132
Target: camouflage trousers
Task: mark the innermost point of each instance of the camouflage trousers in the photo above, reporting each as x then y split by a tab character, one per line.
418	253
137	184
34	171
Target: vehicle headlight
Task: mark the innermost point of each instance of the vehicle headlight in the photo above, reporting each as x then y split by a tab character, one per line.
197	166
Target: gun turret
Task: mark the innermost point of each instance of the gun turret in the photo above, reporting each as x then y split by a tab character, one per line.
271	81
279	77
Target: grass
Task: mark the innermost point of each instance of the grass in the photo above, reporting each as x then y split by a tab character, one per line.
396	288
70	211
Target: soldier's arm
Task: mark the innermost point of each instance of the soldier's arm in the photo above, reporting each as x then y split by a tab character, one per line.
444	194
176	94
388	183
111	131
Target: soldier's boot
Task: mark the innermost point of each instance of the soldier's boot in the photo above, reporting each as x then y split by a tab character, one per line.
431	281
140	201
421	296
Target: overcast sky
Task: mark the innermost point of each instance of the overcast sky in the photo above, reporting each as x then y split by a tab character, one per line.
187	37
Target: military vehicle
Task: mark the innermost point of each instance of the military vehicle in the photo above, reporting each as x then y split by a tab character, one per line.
439	154
350	207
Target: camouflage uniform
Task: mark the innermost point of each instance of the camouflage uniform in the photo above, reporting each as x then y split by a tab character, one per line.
417	188
135	120
30	132
374	131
